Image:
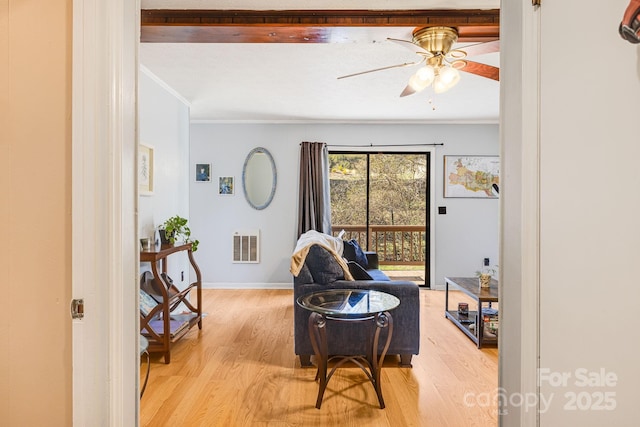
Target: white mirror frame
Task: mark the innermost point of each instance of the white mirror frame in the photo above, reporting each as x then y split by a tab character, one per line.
253	203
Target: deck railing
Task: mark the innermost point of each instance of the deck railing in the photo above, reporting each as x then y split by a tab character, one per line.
395	244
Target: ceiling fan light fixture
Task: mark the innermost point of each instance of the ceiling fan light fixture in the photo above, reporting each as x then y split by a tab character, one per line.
426	73
417	84
441	62
422	78
436	39
447	78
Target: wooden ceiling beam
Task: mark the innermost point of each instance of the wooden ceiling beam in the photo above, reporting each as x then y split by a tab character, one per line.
304	26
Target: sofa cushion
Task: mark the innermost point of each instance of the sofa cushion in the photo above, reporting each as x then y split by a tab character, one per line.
353	252
378	275
323	266
358	272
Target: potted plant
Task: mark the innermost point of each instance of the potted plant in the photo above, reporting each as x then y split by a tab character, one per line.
175	229
484	277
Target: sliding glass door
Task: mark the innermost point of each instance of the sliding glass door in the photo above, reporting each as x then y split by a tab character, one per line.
381	200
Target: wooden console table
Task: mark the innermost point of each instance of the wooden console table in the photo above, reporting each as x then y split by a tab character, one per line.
162	342
470	286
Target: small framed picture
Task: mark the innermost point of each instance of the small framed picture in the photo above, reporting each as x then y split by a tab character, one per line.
203	172
225	185
145	170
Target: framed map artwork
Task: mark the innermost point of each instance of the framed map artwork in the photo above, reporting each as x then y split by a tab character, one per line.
472	176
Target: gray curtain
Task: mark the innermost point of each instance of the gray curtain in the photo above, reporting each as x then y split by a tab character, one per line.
314	204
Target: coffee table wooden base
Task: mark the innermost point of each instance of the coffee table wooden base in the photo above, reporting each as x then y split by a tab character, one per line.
370	364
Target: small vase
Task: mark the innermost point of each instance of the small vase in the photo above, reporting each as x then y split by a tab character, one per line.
485	281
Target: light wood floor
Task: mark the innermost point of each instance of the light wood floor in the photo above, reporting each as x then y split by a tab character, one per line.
240	370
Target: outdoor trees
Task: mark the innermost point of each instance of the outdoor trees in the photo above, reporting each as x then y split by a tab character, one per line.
397	196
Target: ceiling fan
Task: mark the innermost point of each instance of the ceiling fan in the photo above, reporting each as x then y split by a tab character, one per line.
441	63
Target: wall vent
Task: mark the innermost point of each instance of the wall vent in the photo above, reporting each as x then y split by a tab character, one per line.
246	246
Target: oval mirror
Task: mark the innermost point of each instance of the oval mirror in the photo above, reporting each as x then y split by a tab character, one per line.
259	178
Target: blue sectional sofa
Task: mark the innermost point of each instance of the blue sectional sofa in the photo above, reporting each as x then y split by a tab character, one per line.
321	271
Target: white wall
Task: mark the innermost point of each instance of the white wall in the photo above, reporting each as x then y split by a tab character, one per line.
468	233
589	215
164	125
584	218
215	217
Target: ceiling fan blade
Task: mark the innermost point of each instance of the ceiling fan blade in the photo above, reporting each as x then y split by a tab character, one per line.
406	64
408	44
483	70
482	48
408	91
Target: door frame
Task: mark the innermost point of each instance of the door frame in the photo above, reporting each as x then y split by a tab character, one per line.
104	203
429	152
104	208
519	290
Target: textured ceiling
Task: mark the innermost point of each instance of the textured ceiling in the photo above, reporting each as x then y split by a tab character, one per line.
291	82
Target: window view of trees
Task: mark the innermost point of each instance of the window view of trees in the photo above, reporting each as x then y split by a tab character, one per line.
348	182
396	187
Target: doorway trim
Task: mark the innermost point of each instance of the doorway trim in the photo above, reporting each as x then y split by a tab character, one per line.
520	210
104	99
104	231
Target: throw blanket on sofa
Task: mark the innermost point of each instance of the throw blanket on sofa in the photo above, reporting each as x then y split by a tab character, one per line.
313	237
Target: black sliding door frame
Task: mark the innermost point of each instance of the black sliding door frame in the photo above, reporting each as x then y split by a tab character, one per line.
427	195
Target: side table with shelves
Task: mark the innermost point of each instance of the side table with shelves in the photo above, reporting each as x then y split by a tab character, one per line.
470	286
160	342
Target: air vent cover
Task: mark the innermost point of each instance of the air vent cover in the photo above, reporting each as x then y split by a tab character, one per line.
246	246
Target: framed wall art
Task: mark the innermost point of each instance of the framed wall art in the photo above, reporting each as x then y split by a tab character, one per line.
472	176
225	185
145	170
203	172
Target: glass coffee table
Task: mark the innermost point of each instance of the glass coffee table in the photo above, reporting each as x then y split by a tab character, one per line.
349	305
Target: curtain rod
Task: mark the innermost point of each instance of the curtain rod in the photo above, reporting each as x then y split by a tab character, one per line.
385	145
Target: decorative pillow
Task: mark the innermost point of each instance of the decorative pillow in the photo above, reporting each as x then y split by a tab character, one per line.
358	272
323	266
304	276
348	250
353	252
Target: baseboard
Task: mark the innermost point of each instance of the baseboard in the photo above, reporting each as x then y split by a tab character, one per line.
211	285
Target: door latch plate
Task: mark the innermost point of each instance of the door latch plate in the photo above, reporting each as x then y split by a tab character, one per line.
77	308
